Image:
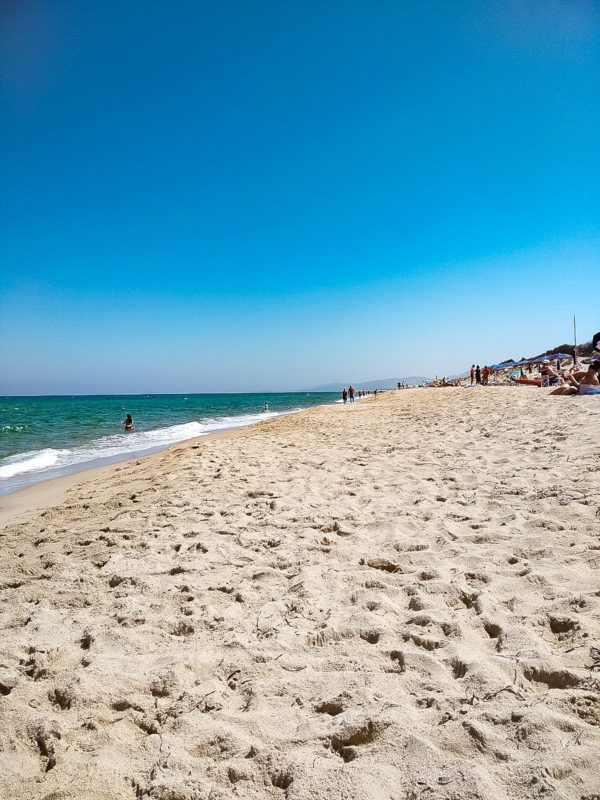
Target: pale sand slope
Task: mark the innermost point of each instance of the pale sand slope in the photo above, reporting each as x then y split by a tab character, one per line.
392	600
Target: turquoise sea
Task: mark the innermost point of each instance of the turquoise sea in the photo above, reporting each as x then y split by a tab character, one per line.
44	437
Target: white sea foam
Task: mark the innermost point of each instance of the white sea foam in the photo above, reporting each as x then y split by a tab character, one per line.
31	462
122	444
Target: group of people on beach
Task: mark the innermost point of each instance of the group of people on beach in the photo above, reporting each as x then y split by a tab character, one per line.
480	377
348	394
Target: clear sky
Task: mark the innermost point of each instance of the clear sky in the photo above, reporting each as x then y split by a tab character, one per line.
234	196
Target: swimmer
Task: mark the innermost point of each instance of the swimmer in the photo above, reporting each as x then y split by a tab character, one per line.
128	422
266	406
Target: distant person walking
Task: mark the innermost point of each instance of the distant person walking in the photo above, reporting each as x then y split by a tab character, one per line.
351	391
472	374
477	375
128	422
345	395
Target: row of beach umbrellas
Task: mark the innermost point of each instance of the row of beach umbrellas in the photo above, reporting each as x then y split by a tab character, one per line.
552	357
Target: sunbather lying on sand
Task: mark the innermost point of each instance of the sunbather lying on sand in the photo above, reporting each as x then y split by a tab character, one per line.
589	383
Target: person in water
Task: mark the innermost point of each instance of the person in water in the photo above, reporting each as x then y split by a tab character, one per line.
128	422
266	406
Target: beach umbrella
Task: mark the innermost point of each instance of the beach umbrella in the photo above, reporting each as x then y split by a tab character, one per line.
553	357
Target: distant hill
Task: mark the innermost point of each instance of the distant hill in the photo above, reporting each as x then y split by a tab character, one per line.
380	383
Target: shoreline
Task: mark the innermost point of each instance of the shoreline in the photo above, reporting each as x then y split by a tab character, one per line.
23	504
78	468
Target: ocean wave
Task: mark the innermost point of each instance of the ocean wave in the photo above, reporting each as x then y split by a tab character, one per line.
122	444
30	462
12	428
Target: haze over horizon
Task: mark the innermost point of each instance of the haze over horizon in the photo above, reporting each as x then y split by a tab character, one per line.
252	198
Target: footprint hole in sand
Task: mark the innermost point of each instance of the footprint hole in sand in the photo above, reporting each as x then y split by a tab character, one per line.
560	625
345	744
374	585
370	636
513	560
182	629
282	779
420	619
416	604
492	630
587	708
477	577
372	605
425	643
42	738
470	600
398	657
554	679
383	564
124	705
331	707
160	686
450	628
61	697
459	668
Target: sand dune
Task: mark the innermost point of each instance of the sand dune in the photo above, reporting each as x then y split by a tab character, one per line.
386	601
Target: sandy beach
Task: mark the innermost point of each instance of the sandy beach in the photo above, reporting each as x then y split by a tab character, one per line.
385	601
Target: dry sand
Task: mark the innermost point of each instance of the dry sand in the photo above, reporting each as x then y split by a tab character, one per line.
392	600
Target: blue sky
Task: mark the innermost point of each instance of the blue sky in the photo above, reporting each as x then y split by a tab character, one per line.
246	196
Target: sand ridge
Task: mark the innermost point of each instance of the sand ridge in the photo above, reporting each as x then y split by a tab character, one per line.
396	599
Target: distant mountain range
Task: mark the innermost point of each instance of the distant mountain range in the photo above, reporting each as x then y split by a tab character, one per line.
380	383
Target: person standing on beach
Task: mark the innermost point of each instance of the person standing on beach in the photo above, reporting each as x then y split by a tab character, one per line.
478	375
485	375
472	374
351	391
344	395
